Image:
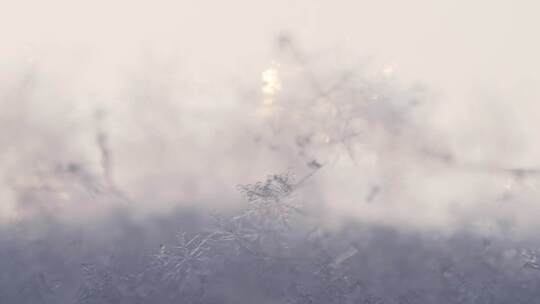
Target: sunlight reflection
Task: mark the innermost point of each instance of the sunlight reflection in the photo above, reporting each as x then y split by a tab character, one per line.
271	84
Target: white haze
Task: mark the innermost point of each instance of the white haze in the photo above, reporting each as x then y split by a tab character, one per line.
178	85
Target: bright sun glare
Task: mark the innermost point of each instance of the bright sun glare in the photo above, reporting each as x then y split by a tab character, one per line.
270	79
271	84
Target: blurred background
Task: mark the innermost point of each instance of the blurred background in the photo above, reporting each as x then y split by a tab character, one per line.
396	140
174	102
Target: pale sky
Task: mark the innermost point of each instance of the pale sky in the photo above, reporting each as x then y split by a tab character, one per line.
453	42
